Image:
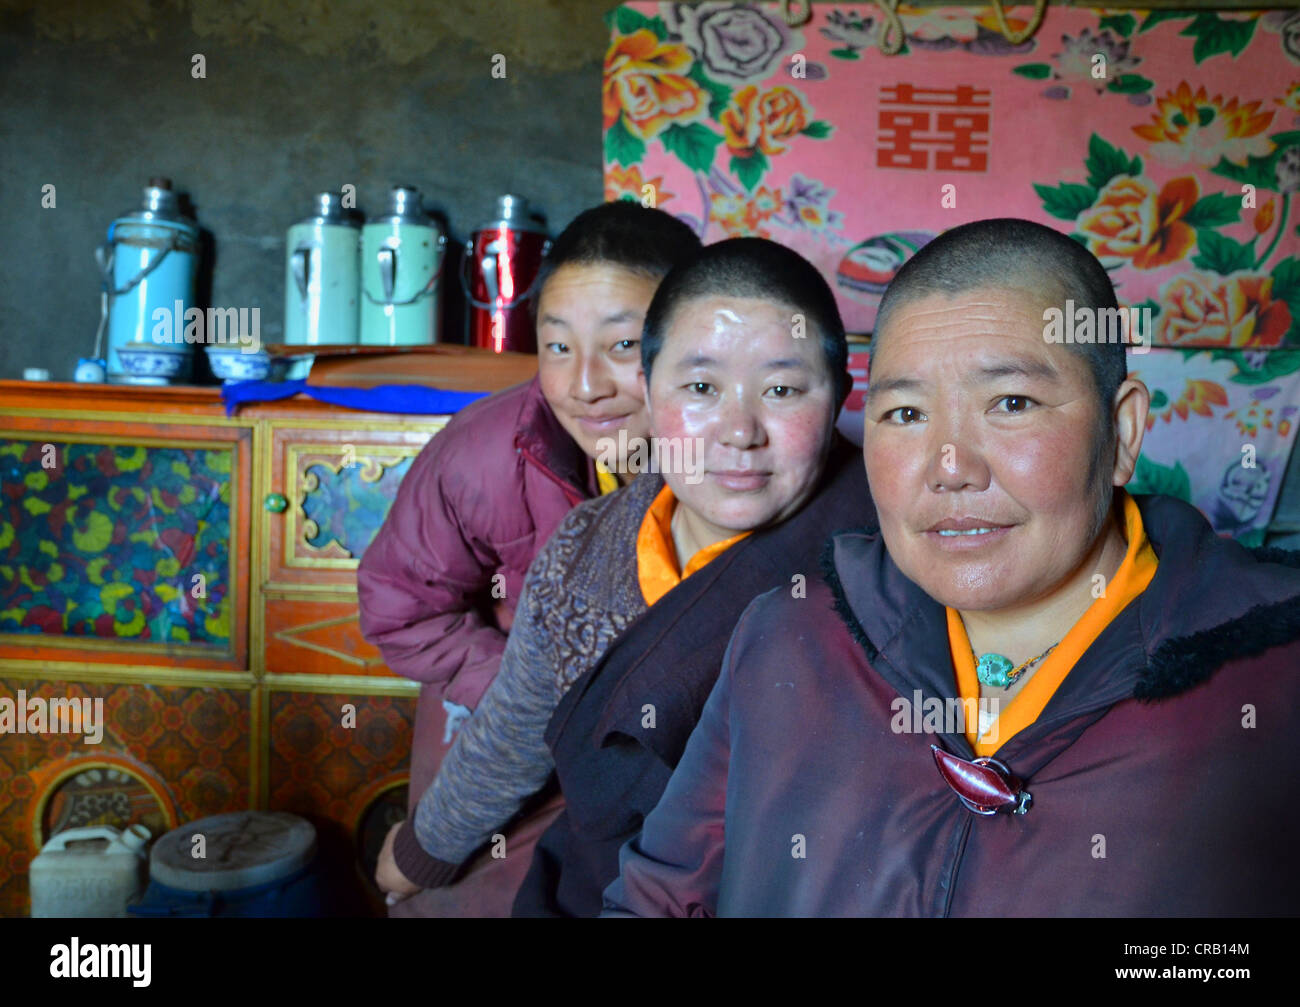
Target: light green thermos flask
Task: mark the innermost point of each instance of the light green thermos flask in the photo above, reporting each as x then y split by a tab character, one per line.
321	283
402	252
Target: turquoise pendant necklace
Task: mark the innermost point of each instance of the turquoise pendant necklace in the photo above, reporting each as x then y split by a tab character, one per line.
997	671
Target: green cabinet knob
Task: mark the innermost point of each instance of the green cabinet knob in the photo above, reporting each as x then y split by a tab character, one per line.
275	503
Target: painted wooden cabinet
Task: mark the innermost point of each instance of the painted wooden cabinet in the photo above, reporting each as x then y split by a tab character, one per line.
196	574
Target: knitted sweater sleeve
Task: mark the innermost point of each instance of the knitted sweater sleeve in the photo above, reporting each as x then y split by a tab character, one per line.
499	760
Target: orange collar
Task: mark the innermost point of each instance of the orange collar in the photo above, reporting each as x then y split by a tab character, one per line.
1130	580
656	556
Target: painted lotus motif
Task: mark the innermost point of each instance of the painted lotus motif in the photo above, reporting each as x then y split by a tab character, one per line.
1079	57
1192	127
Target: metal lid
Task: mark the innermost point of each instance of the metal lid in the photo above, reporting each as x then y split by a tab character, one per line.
159	203
513	212
329	210
404	207
242	849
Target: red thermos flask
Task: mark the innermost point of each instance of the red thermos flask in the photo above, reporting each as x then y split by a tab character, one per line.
502	259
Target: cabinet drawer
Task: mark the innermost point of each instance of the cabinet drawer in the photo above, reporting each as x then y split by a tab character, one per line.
329	490
127	548
318	635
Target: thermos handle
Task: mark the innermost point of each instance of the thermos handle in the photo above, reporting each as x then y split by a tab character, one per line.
388	271
104	255
300	262
491	271
494	305
388	275
466	258
139	277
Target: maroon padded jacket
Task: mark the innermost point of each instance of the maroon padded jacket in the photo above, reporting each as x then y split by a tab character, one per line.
481	498
1163	770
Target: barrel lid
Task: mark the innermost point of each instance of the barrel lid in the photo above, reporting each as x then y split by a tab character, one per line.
242	849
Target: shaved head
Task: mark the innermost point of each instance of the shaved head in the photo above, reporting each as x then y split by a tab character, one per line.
1041	264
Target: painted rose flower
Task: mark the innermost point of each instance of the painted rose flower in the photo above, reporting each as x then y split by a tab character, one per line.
1192	127
1287	24
646	84
1242	493
762	121
735	42
628	184
1229	312
1130	220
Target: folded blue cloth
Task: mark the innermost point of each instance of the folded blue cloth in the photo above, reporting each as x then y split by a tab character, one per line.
411	399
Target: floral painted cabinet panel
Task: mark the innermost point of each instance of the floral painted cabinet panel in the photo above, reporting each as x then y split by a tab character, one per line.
196	575
331	488
330	491
129	547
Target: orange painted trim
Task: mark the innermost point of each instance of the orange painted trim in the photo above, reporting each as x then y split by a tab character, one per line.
46	779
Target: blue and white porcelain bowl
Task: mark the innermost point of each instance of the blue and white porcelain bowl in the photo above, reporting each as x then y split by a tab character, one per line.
153	364
231	364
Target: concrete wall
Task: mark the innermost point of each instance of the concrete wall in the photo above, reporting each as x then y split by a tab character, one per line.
300	96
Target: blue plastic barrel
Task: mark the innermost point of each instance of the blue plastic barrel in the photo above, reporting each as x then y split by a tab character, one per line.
241	864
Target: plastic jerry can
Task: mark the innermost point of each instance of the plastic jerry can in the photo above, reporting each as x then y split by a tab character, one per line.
89	872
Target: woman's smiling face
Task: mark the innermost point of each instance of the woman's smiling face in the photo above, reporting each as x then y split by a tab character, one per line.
761	401
589	319
981	449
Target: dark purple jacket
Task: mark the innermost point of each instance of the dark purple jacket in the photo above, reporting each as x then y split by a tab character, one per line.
1163	770
612	761
481	498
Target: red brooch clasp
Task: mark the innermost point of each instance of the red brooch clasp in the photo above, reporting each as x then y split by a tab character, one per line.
984	785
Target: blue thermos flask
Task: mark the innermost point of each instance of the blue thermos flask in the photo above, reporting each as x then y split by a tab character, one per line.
149	265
